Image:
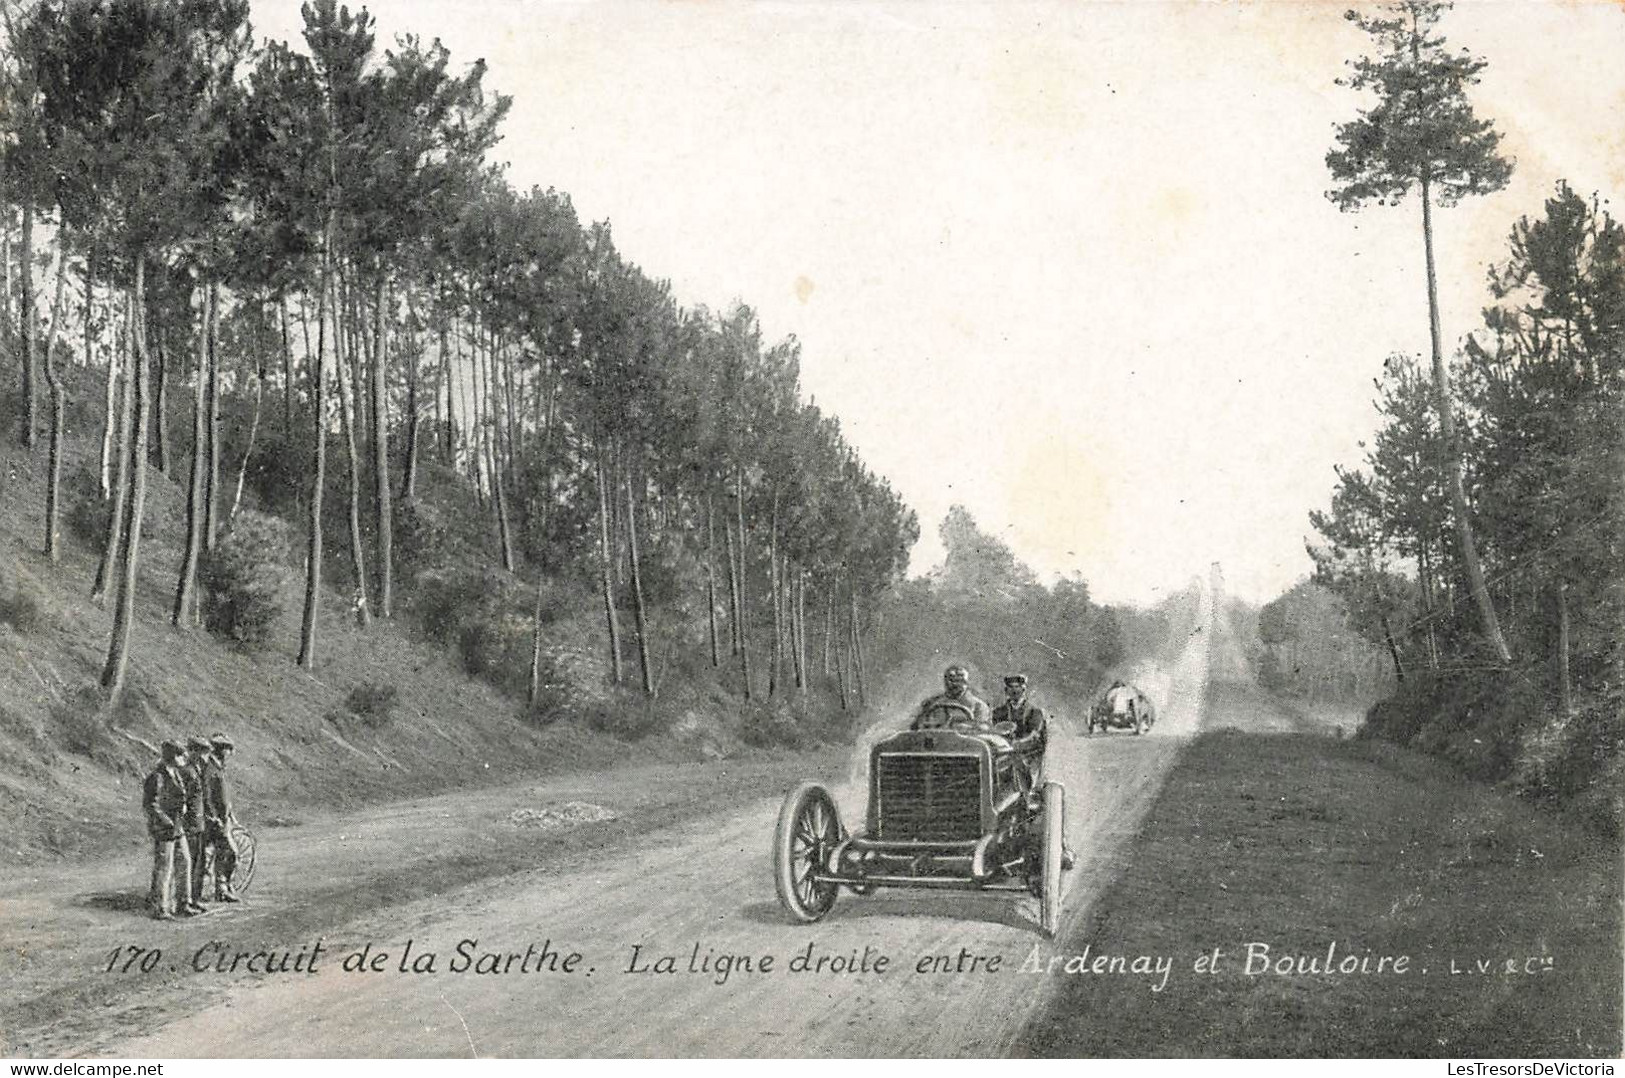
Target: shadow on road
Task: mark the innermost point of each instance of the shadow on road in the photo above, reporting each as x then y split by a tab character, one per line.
116	901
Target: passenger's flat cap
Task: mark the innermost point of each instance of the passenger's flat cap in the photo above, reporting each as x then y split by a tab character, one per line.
221	741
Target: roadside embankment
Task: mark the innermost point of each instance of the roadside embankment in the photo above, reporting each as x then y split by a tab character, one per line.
1327	897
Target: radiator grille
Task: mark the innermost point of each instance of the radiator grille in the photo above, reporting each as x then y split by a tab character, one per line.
930	798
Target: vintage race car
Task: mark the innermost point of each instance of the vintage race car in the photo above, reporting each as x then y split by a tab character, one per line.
952	806
1122	707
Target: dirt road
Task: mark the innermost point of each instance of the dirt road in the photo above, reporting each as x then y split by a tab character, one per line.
703	892
689	895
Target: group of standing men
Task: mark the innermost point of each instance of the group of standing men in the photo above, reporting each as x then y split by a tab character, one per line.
189	817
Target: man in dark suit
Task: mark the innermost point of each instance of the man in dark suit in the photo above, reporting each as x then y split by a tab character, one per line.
163	799
197	751
220	856
1031	735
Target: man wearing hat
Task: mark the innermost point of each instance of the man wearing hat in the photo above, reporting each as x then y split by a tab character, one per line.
163	799
220	856
1031	734
950	707
197	749
1030	738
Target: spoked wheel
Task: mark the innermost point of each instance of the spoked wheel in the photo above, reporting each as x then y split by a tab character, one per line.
1054	849
242	841
809	827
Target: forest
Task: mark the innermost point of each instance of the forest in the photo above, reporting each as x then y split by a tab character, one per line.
293	281
299	275
1478	545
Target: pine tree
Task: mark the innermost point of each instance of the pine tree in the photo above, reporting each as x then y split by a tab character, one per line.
1423	135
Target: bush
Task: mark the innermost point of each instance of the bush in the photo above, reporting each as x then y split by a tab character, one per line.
627	719
481	615
767	726
279	472
482	649
373	704
422	536
86	509
20	609
447	600
243	578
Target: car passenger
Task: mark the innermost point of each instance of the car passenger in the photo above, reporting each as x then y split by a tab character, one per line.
948	708
1031	724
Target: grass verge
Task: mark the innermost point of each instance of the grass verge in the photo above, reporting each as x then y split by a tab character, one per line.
1299	843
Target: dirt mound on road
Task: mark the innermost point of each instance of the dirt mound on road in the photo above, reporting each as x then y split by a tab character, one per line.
558	817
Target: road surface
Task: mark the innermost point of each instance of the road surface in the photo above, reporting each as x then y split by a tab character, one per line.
707	885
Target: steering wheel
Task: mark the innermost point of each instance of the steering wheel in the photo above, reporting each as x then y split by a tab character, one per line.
930	721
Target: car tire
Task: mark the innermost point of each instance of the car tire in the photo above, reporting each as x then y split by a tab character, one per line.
808	826
1054	850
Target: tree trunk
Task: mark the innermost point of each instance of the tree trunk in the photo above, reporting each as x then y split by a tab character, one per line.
53	480
534	685
733	588
711	585
840	671
494	456
211	488
30	327
775	654
287	371
478	451
90	303
857	655
409	477
829	628
1565	686
121	484
476	414
457	439
744	632
355	326
443	420
110	427
1425	564
380	457
181	615
118	649
605	557
6	327
253	431
639	614
313	549
1447	424
160	403
358	557
799	624
1393	650
508	394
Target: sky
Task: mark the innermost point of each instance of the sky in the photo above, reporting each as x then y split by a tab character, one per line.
1070	265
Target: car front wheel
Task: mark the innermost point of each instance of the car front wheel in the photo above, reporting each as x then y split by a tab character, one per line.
1049	897
809	827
